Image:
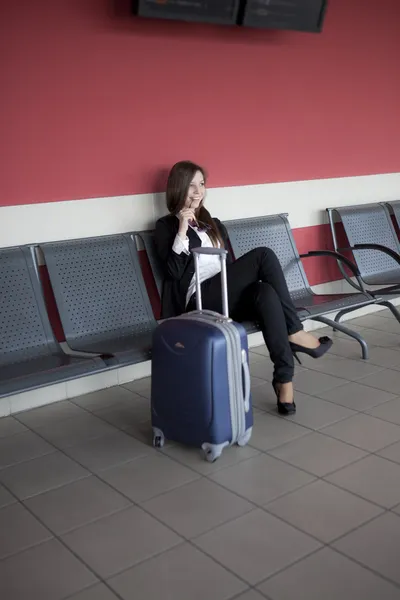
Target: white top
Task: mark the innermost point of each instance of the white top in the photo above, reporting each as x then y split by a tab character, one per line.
209	265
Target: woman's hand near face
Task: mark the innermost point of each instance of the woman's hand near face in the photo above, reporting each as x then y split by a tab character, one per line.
185	215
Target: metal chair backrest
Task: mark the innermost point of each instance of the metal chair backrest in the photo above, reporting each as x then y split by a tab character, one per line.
25	330
274	232
367	224
99	289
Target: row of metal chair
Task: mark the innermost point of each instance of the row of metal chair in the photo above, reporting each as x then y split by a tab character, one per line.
374	244
104	305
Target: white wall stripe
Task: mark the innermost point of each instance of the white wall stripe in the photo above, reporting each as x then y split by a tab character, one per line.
305	201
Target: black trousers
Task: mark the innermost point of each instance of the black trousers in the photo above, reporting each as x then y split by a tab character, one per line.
257	291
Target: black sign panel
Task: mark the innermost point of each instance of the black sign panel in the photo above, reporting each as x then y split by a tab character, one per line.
205	11
303	15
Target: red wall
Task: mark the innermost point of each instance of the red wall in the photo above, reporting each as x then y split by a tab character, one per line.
97	103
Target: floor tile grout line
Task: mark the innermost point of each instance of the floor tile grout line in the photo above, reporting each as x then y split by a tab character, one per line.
391	460
93	411
38	433
263	452
92	587
91	522
319	428
12	494
350	532
368	568
10	435
293	564
262	506
56	448
141	394
355	493
290	565
309	429
49	405
333	541
324	477
132	503
332	437
64	450
253	586
124	431
99	577
269	454
27	460
179	535
272	450
357	380
57	538
365	412
141	505
57	487
182	537
394	511
383	510
317	431
240	594
115	427
313	395
350	558
97	475
183	464
348	382
254	505
70	401
29	547
176	487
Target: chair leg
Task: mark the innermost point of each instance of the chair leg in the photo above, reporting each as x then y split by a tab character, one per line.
346	331
341	314
391	307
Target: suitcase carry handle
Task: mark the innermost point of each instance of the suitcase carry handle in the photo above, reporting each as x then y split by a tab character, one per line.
246	380
222	253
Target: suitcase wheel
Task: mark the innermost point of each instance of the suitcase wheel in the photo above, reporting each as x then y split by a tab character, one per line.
158	438
211	454
245	438
213	451
158	442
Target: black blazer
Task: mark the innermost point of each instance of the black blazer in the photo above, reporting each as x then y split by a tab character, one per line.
178	268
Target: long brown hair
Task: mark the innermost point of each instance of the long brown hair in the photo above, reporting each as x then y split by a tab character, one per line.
179	180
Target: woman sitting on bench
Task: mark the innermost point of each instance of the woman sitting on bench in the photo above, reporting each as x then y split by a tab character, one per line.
256	283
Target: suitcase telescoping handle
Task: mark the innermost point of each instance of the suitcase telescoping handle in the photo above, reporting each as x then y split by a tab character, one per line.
222	253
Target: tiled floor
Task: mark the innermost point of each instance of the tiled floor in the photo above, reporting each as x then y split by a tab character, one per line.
309	510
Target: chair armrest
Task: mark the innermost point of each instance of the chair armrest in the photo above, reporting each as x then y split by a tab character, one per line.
336	256
380	248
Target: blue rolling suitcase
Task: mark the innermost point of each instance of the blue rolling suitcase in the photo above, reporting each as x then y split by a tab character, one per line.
200	394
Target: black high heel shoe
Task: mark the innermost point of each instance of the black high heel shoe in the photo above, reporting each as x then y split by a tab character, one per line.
284	408
325	343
